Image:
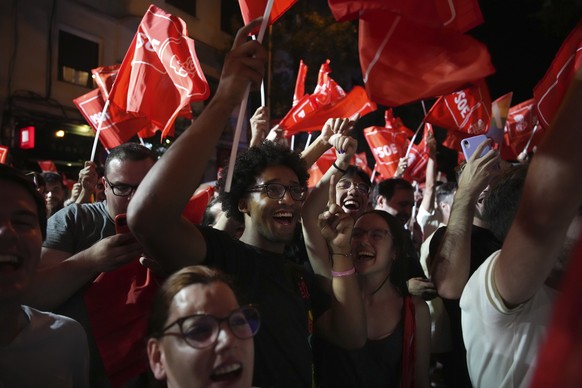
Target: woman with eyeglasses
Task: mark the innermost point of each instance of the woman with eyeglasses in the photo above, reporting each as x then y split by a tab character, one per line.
199	335
397	351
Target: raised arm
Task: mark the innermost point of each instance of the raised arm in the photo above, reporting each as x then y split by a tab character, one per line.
154	214
344	324
450	266
427	204
551	198
259	126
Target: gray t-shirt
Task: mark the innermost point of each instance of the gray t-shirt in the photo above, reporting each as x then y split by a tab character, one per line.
51	351
77	227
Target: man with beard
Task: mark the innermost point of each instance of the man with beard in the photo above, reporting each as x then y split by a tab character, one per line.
395	196
507	302
268	189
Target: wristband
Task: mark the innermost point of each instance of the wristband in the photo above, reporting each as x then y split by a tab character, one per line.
339	169
341	274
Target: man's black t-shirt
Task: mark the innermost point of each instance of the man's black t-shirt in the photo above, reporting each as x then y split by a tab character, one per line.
285	294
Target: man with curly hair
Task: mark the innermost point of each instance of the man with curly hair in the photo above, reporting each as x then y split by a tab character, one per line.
268	189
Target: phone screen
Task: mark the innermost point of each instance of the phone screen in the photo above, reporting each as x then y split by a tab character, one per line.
470	144
121	224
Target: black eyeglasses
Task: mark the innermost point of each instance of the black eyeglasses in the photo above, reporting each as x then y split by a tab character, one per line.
373	234
201	330
278	190
346	184
121	190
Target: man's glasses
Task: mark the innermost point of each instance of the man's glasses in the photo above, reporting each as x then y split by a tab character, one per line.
346	184
201	330
373	234
278	190
121	190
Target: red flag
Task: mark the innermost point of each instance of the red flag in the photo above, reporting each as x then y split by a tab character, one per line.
520	123
252	9
387	146
160	74
300	83
405	61
361	161
3	154
47	166
307	117
460	15
104	77
418	158
114	131
327	91
464	113
320	167
549	92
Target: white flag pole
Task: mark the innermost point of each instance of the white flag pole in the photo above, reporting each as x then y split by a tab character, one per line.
533	132
414	138
243	106
96	139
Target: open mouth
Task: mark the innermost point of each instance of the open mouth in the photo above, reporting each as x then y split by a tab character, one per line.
284	217
227	372
351	205
9	263
365	256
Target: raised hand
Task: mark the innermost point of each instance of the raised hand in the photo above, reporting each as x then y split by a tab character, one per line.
112	252
335	225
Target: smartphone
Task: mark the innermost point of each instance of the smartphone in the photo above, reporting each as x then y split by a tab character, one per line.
470	144
121	224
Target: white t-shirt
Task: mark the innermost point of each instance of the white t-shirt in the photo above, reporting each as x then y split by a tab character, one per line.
50	352
502	344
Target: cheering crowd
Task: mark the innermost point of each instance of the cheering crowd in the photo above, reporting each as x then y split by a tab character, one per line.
323	288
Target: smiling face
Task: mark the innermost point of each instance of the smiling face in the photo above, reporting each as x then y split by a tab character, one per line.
372	246
352	197
270	223
400	205
123	172
20	241
228	362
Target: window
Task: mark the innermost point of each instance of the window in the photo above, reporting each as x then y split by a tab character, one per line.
77	56
188	6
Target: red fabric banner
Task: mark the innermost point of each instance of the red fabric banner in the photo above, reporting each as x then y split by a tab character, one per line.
404	61
160	74
47	166
396	124
308	117
3	154
114	131
459	15
104	77
418	158
252	9
387	146
463	113
520	123
300	83
550	91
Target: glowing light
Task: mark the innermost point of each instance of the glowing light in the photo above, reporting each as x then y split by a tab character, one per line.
60	133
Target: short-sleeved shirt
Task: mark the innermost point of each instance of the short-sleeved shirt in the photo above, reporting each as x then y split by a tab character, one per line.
285	294
502	343
51	351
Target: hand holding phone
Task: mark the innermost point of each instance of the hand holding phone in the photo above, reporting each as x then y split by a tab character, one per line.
470	145
121	224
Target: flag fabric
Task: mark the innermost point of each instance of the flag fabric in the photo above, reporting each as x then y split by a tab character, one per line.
252	9
114	131
47	166
3	154
320	167
404	61
160	74
308	117
499	112
521	120
300	82
459	15
104	77
361	161
560	356
387	146
418	158
463	113
550	90
396	124
327	91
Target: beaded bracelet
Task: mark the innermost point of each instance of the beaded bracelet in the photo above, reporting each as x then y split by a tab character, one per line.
339	169
341	274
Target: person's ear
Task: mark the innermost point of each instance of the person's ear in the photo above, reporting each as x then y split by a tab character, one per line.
156	358
243	205
381	201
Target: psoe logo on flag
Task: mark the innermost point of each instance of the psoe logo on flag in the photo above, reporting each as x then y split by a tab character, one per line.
95	117
183	69
150	44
